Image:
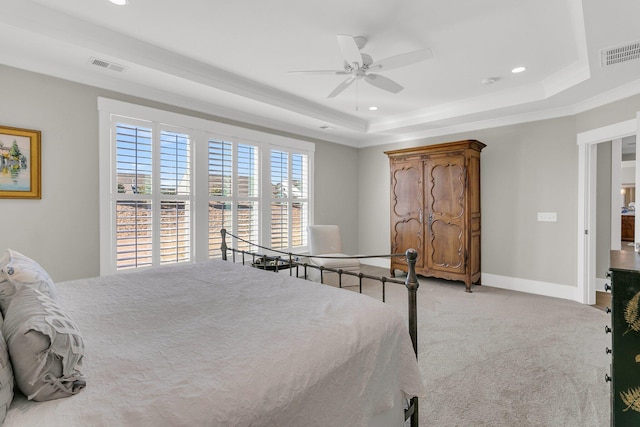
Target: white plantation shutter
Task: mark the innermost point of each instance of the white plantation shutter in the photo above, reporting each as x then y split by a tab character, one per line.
220	168
258	187
175	164
220	192
146	161
289	199
279	206
247	195
133	159
133	234
233	193
175	232
299	199
175	188
134	226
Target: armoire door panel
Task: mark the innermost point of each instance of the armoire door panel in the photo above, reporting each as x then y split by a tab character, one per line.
447	182
407	198
406	210
407	235
446	252
445	198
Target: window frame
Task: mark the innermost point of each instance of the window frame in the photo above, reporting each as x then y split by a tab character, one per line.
289	200
200	132
234	199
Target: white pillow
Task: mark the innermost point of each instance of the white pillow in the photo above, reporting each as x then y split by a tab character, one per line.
45	346
16	271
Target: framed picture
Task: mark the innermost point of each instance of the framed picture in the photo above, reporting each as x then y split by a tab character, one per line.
19	163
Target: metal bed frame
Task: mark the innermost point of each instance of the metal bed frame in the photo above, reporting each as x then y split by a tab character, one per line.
291	260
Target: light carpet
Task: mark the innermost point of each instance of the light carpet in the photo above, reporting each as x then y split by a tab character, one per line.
503	358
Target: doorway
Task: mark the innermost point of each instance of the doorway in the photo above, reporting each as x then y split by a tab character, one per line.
626	196
587	168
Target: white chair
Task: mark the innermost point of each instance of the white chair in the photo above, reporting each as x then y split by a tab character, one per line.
326	240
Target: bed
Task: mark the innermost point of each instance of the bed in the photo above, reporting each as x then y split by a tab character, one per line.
217	343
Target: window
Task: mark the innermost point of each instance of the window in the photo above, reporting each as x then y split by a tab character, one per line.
234	184
142	207
289	199
169	183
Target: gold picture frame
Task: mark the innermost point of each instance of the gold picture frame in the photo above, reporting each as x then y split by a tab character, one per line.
19	163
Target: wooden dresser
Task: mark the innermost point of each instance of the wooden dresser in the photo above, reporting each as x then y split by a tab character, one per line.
628	224
435	209
625	338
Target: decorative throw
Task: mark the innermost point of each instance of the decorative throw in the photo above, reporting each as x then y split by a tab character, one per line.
45	346
16	271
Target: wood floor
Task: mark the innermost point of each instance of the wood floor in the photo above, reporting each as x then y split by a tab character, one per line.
603	300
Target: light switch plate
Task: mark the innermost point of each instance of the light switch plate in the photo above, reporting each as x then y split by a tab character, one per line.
547	216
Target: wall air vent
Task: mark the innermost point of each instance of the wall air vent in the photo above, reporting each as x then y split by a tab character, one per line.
106	64
615	55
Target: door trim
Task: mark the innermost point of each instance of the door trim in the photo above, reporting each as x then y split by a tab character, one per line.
587	144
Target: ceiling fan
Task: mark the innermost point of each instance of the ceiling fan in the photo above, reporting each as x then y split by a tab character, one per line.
358	65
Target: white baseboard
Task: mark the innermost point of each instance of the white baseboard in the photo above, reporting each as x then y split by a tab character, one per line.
531	286
554	290
600	284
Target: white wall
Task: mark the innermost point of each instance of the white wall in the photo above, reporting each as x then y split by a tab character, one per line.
61	230
336	186
525	169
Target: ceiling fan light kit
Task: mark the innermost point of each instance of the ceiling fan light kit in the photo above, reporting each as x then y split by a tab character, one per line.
358	65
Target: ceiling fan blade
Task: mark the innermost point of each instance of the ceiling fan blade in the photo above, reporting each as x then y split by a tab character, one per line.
401	60
325	72
350	50
342	86
383	83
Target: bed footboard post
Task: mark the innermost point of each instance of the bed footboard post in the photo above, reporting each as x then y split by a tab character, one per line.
412	284
223	245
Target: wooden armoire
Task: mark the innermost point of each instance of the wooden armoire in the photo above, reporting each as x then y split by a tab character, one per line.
435	209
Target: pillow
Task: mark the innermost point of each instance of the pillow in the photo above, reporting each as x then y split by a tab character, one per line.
6	379
17	270
45	346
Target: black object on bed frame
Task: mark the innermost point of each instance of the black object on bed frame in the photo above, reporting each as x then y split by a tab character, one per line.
291	261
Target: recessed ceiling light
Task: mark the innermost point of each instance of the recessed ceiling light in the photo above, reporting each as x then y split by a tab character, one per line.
518	70
119	2
373	108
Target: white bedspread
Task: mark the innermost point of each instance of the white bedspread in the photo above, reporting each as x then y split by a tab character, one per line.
218	344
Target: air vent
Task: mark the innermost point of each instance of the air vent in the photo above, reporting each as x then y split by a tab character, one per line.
619	54
106	64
